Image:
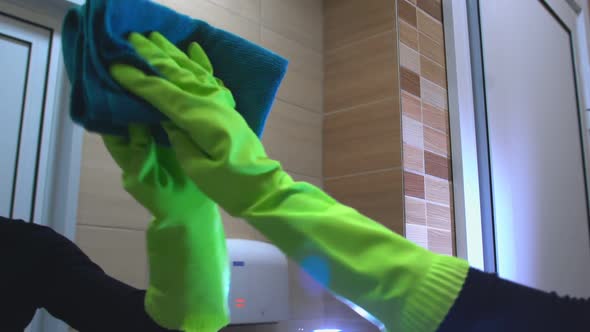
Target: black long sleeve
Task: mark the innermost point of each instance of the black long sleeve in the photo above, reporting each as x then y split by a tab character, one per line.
42	269
488	303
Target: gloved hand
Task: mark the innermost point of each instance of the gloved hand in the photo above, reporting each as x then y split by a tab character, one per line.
189	271
402	285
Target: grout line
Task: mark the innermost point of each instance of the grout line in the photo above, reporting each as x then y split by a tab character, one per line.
353	108
297	105
379	34
383	170
115	228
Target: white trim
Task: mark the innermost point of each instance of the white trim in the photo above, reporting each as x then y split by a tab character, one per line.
468	229
61	150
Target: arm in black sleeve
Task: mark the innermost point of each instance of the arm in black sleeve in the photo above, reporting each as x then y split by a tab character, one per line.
42	269
488	303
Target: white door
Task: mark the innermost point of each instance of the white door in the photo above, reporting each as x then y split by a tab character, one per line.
536	144
24	58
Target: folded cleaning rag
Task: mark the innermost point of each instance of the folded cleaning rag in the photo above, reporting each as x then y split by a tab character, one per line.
95	37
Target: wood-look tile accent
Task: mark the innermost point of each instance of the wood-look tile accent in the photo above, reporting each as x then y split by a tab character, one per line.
408	35
414	185
361	73
407	12
433	72
415	211
362	139
377	195
410	81
437	190
413	158
417	234
432	7
436	165
349	21
435	118
435	141
438	216
433	94
413	132
430	27
411	106
409	58
431	49
440	241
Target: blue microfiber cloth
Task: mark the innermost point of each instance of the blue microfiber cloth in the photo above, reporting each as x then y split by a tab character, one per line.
95	36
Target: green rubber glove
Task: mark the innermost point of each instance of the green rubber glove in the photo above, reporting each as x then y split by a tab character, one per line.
398	283
189	273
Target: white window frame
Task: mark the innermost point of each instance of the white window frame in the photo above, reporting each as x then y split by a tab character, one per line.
468	222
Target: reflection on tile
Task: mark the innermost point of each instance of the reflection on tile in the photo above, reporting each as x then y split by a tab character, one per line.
433	72
431	49
409	58
121	253
432	7
430	27
433	94
408	35
435	141
377	195
435	118
413	132
436	165
410	81
440	241
349	21
407	12
362	139
438	216
415	211
413	159
411	106
437	190
373	65
414	185
417	234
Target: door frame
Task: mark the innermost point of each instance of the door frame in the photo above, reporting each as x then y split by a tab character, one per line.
470	219
60	154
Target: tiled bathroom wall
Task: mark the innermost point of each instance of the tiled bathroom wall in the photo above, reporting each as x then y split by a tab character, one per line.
111	225
425	125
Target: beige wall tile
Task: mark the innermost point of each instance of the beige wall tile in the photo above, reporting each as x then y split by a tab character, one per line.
218	16
440	241
435	118
408	35
410	81
435	141
432	7
301	59
409	58
236	228
437	165
102	201
413	185
361	73
121	253
246	8
433	94
438	216
294	137
302	90
437	190
411	106
430	27
433	72
431	49
377	195
348	21
413	132
407	12
363	139
300	20
417	234
415	211
413	159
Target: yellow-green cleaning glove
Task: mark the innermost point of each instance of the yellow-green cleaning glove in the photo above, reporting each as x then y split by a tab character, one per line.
189	272
405	287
